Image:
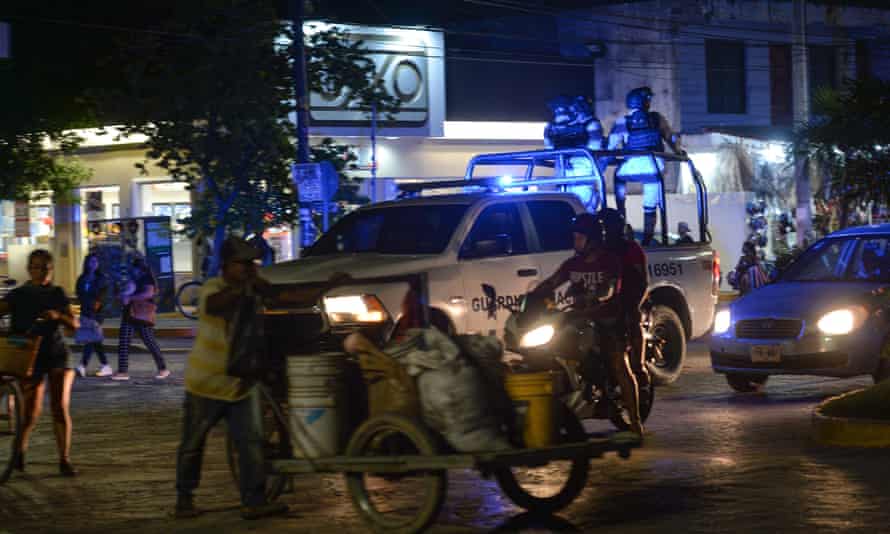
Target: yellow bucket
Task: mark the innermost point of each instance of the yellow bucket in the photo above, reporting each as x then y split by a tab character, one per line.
532	395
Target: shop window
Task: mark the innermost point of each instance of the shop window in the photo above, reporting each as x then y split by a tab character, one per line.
725	65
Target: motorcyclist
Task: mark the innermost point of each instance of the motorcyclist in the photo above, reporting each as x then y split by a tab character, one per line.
646	130
634	283
594	274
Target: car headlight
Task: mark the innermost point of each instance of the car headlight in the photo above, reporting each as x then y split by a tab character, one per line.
722	322
537	337
355	309
843	321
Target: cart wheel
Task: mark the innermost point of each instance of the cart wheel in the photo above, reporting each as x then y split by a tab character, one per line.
404	502
12	406
538	489
276	446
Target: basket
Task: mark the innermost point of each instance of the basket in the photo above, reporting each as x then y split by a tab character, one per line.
390	388
17	355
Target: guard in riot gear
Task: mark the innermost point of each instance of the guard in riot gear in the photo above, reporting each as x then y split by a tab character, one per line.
642	129
575	126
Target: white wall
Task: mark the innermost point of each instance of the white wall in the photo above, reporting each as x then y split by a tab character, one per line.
727	222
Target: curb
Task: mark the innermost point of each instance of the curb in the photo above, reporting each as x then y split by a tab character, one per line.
849	432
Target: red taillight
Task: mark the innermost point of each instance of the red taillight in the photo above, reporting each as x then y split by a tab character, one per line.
715	274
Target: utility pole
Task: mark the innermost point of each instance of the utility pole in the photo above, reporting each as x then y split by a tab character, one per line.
302	105
299	73
800	74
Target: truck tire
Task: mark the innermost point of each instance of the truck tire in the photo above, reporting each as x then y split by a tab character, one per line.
666	349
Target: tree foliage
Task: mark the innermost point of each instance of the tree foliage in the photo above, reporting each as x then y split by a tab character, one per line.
849	137
337	65
212	92
42	96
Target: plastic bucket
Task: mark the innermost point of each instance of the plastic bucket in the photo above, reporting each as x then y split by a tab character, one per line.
315	402
532	395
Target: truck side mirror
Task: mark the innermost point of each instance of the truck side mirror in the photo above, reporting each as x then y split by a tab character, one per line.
504	244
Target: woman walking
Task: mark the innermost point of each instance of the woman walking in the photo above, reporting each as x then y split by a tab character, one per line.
40	308
137	299
91	288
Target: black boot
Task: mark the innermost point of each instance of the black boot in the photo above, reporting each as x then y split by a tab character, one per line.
649	218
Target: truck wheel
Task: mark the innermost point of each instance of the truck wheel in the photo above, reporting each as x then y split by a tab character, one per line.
746	383
666	345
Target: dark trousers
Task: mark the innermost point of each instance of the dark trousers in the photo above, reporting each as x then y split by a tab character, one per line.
88	352
147	333
244	421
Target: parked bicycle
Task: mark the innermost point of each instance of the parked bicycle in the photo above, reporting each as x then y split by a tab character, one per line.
187	299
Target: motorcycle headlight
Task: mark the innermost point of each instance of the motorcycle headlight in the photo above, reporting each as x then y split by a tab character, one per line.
354	309
722	322
842	321
537	337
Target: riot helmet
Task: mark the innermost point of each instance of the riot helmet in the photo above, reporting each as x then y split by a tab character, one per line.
581	106
639	98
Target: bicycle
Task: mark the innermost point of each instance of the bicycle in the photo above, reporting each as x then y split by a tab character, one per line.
187	299
12	416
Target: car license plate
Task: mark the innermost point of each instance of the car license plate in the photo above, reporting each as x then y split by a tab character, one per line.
766	353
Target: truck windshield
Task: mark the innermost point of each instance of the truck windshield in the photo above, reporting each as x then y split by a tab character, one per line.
425	229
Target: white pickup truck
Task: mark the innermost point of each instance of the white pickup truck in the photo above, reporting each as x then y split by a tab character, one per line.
484	248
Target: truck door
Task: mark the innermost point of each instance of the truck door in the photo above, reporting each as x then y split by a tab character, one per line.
552	221
496	267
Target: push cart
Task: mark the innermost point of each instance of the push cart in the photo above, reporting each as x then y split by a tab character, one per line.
396	468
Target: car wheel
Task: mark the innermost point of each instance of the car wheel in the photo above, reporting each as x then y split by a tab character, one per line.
746	383
666	348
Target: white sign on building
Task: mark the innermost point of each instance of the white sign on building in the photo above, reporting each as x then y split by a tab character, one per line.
411	66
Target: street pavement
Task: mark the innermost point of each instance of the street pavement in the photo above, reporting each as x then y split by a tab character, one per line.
714	461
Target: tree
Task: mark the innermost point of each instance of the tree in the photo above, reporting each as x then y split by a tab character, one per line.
850	139
42	97
212	91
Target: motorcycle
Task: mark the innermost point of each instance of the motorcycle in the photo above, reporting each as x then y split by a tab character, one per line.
567	343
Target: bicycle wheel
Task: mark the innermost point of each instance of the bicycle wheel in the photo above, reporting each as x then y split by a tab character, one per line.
276	446
187	299
12	412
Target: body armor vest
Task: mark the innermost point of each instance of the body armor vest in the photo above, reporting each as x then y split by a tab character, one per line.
643	132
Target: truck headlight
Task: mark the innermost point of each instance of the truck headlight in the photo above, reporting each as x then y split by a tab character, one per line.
842	321
722	322
355	309
537	337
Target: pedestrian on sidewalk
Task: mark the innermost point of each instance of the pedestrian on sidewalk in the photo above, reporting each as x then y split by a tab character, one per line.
91	288
137	299
211	394
40	308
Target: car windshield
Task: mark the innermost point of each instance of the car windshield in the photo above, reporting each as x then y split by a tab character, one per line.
425	229
848	259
